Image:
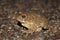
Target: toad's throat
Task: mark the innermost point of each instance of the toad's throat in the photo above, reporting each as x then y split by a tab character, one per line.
20	24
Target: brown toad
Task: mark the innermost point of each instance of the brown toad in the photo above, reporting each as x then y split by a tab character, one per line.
33	21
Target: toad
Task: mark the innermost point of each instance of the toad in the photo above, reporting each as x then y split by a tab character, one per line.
34	22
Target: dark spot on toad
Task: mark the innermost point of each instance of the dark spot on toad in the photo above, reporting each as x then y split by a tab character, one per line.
44	29
20	24
23	16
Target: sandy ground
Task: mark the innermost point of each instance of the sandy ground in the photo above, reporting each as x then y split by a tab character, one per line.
8	23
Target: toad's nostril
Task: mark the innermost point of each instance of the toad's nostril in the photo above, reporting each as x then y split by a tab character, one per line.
20	24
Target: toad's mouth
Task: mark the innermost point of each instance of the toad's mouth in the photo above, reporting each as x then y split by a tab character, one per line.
20	24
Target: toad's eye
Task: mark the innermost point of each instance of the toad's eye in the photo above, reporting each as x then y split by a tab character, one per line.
23	16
